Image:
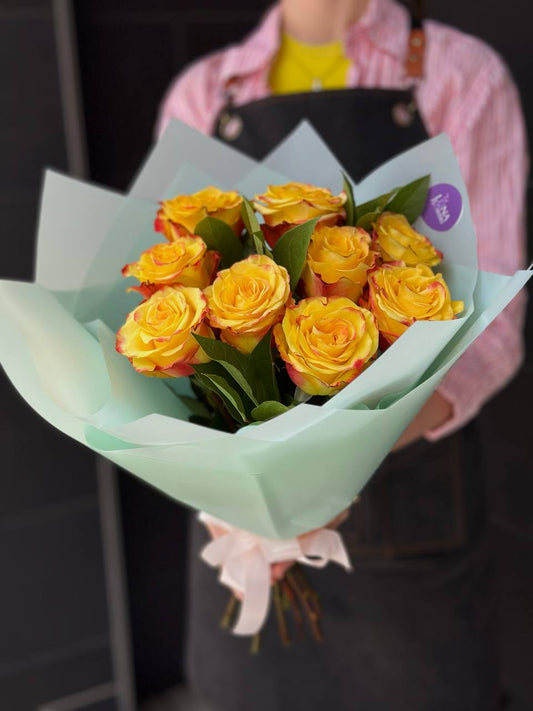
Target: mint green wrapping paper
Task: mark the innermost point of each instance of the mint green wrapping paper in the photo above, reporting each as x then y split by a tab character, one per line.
280	478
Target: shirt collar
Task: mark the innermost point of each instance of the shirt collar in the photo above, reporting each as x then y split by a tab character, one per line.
384	24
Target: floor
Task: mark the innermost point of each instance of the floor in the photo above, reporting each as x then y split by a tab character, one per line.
178	699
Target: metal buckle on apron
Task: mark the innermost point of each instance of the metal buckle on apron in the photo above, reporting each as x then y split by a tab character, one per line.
230	126
403	114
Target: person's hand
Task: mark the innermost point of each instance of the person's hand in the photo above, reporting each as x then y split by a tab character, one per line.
277	570
434	413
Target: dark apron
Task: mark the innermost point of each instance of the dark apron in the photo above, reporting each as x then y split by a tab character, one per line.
411	628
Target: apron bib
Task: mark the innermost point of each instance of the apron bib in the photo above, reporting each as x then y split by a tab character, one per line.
362	127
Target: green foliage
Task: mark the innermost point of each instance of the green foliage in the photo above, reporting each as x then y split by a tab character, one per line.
268	409
237	364
410	199
242	380
220	237
349	206
255	234
367	220
214	377
265	383
375	205
291	249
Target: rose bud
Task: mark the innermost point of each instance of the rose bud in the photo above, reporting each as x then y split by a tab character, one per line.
183	213
284	206
337	263
396	241
399	295
185	262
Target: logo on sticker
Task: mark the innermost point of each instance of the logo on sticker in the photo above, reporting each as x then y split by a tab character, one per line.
443	208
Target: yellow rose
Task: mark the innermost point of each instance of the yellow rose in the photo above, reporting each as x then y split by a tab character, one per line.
181	214
399	295
247	299
157	336
284	206
397	241
338	260
326	343
186	262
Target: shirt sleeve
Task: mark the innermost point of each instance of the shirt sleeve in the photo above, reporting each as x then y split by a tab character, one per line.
193	97
492	152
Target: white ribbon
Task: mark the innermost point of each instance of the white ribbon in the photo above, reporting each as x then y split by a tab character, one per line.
245	561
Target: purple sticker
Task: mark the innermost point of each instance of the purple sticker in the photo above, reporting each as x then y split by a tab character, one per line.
444	207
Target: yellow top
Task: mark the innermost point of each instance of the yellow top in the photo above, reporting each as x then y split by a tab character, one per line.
307	67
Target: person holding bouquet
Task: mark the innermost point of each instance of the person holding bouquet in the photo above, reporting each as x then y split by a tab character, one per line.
414	626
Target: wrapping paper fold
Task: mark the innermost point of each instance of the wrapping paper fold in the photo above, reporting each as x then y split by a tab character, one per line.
278	479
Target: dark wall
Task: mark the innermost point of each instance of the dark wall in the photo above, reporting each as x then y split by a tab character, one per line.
53	619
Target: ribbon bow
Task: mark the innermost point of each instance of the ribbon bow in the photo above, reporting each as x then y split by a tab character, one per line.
245	561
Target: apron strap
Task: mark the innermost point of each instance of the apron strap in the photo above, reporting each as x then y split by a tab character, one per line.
414	63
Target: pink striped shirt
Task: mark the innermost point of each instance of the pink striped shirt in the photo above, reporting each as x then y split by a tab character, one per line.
466	92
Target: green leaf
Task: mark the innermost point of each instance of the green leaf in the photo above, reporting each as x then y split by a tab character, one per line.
264	375
268	409
410	199
375	205
248	245
237	364
366	220
249	217
350	207
257	239
220	237
253	373
258	243
213	377
291	249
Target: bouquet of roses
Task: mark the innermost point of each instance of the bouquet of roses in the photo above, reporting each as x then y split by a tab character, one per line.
327	292
290	337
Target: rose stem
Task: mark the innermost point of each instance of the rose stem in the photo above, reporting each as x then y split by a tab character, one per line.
312	615
256	642
227	617
282	622
310	593
293	602
284	598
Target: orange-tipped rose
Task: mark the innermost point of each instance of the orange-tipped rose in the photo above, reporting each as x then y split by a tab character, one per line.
326	343
157	336
247	299
184	262
338	260
284	206
399	295
181	214
397	241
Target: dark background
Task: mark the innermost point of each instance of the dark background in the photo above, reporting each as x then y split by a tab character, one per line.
54	616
